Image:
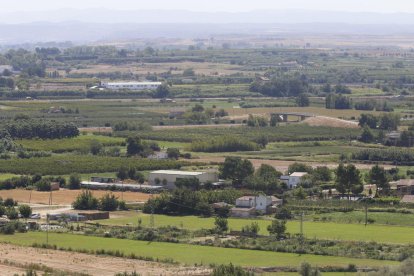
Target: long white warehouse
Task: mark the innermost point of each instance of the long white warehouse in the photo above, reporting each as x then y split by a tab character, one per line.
167	178
131	85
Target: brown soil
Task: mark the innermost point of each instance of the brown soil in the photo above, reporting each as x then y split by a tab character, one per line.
14	257
66	197
330	122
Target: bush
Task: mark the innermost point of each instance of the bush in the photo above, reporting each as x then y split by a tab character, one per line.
74	182
108	203
25	211
43	186
230	270
283	213
11	213
85	201
9	202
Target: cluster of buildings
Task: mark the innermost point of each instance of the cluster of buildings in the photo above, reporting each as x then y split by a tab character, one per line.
245	206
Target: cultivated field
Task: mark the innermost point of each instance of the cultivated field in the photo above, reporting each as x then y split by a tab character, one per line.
189	254
15	258
65	197
320	230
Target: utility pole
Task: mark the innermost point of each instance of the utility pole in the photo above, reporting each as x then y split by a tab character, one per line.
366	214
122	190
301	224
152	216
47	230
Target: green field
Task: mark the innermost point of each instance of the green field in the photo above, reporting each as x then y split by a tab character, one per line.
5	176
320	230
358	217
64	164
188	254
80	143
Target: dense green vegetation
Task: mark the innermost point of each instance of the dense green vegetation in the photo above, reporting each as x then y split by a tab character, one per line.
273	134
67	164
41	129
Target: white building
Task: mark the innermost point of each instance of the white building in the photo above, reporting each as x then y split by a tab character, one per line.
131	85
293	179
167	178
248	205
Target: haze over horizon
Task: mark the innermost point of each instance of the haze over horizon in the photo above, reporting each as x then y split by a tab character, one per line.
43	20
213	5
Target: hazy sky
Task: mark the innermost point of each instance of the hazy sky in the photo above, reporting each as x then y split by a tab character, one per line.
213	5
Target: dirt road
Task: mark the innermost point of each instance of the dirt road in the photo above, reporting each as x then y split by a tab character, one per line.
13	259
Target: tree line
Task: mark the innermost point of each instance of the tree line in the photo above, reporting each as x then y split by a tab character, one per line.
29	128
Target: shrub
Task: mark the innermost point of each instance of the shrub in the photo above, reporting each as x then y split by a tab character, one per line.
25	211
85	201
108	203
74	182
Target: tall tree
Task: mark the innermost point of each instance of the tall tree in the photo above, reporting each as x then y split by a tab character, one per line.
348	179
236	169
378	176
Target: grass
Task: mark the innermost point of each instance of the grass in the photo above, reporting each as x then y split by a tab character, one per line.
65	164
187	254
5	176
383	218
80	143
334	231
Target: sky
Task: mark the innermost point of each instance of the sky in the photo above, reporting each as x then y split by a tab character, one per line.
383	6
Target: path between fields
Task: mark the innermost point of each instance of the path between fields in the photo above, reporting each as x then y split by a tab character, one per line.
13	257
282	165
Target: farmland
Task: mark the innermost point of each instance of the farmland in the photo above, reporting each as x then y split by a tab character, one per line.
65	197
187	254
311	143
319	230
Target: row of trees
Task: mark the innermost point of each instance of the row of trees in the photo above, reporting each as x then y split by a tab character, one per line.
334	101
40	183
349	180
224	144
31	64
266	178
183	201
108	202
385	121
28	129
281	87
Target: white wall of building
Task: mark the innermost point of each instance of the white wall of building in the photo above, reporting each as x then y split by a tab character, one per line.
131	85
172	176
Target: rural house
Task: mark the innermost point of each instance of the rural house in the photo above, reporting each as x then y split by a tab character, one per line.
402	187
293	179
247	206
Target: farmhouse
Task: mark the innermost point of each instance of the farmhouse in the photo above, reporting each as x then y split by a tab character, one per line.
247	206
293	179
167	178
402	187
131	85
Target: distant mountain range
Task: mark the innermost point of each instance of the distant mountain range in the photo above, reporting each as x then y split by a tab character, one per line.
100	24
